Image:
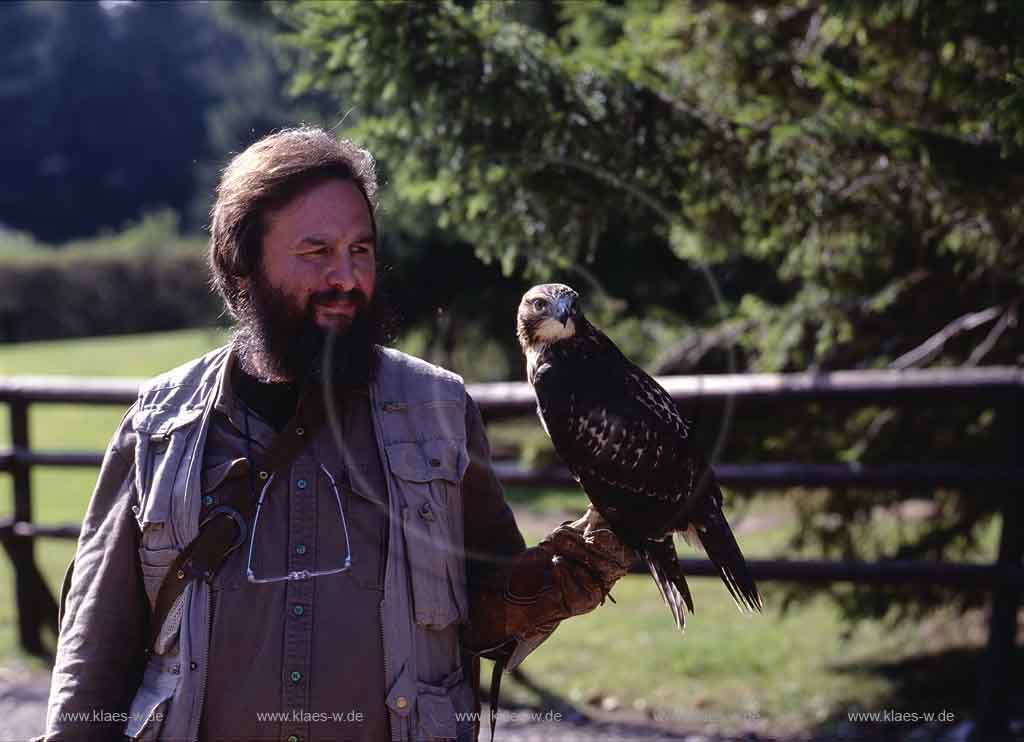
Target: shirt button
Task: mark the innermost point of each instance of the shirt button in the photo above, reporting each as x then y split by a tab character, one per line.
401	702
208	500
264	475
300	549
301	484
292	738
300	431
296	676
298	610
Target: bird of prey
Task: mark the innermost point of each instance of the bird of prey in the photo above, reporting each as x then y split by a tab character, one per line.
626	443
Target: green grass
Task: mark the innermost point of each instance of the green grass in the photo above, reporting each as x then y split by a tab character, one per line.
117	355
795	668
788	669
61	495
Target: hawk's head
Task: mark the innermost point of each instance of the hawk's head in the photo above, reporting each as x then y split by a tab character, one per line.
548	313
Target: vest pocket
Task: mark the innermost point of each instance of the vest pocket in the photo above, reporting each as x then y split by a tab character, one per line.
425	473
436	713
154	564
149	707
438	704
160	467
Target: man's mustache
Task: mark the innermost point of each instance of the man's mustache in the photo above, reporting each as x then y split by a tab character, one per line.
333	296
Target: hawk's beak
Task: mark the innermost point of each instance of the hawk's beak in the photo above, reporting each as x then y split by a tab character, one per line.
565	304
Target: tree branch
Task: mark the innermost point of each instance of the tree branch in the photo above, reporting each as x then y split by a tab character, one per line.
691	350
931	347
1009	319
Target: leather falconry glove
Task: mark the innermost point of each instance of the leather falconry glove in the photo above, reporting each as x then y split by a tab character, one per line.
567	574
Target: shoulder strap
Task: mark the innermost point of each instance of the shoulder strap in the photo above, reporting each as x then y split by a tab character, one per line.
496	673
226	527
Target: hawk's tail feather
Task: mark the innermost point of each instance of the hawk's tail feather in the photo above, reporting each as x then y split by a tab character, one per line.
660	557
720	545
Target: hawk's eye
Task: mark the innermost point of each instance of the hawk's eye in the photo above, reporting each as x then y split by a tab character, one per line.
539	304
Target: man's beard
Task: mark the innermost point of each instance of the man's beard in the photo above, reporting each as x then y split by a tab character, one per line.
276	338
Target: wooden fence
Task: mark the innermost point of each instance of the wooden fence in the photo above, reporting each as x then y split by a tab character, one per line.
1004	577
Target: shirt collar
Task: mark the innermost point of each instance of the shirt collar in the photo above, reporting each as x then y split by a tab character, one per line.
225	400
228	403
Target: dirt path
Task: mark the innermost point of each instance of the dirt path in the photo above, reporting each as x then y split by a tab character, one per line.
23	692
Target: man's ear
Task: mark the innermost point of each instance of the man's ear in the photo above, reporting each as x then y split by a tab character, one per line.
241	290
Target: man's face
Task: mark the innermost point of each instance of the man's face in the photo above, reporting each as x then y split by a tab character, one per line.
318	251
314	282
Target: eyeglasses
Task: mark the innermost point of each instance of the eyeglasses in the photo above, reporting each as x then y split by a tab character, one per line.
301	574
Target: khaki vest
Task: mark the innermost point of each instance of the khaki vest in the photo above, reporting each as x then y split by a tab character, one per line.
419	419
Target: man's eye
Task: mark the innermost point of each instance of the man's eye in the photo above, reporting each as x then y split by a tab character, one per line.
360	249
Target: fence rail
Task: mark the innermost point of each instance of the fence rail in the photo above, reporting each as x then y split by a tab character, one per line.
1004	577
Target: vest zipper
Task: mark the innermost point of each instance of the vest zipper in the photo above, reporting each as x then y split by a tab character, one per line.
194	731
387	672
204	420
384	541
404	727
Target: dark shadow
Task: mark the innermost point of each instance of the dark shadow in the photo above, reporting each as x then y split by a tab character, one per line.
578	722
36	607
934	683
939	682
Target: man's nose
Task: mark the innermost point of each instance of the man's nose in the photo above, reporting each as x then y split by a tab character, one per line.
341	273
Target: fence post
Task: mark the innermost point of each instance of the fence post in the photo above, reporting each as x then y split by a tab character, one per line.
34	600
998	676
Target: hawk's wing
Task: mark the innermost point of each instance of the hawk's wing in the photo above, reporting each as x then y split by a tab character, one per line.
614	425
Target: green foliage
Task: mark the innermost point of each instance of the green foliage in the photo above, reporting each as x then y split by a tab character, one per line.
20	246
115	110
142	279
837	148
149	235
849	172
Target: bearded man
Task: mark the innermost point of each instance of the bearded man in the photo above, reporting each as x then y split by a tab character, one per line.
299	536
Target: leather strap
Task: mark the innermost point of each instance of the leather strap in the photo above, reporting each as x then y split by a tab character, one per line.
471	663
225	528
496	673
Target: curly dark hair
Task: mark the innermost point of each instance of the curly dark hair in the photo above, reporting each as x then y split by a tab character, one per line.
264	178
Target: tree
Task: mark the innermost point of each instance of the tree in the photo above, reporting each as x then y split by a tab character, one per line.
121	110
849	171
106	114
